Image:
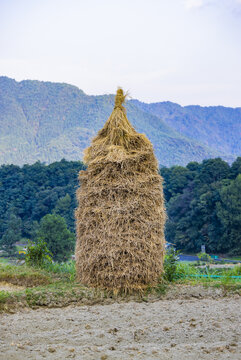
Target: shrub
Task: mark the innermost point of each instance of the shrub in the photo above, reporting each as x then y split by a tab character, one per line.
38	253
170	264
204	257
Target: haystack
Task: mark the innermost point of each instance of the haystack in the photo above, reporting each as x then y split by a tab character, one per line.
120	215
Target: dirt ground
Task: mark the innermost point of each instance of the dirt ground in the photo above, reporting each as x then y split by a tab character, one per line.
4	286
183	329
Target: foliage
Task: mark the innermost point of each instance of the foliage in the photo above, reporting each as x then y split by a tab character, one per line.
202	201
229	215
67	268
12	234
170	264
4	295
38	254
23	275
204	257
184	270
205	210
60	241
63	208
29	193
236	271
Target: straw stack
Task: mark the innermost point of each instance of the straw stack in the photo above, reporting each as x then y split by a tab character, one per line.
120	216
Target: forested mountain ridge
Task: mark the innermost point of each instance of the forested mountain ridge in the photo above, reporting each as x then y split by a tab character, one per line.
49	121
217	127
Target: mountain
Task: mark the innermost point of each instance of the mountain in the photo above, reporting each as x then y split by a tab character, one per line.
216	127
49	121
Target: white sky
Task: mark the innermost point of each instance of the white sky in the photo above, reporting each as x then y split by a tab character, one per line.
186	51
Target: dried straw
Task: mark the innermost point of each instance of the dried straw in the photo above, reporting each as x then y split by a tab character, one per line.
120	217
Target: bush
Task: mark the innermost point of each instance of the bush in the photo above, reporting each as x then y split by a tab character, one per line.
204	257
38	254
170	264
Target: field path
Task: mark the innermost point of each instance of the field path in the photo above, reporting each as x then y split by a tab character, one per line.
166	329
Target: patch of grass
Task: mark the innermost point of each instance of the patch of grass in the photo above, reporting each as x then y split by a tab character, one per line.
161	288
6	301
4	295
226	283
60	293
209	277
3	260
23	275
53	286
238	258
67	268
184	270
236	270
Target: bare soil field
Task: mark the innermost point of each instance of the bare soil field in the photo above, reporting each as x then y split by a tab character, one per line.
176	328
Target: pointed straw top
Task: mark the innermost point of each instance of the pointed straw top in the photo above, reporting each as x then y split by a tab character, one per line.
119	98
117	140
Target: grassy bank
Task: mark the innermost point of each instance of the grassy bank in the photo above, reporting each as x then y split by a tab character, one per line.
55	285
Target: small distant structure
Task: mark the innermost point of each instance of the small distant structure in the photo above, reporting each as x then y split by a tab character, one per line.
169	245
22	251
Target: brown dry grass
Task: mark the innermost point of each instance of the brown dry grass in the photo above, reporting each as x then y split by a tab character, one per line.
120	217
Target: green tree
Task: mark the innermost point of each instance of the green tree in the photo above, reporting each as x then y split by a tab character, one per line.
196	201
213	170
60	241
64	209
12	233
32	191
175	180
229	214
236	168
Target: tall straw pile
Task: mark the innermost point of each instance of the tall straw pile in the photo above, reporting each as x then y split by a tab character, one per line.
120	217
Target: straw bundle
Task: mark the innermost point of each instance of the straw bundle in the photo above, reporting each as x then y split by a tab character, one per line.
120	217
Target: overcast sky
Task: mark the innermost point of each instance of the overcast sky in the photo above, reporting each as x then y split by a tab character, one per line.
185	51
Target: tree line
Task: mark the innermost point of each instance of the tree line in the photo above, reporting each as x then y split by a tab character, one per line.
203	202
204	206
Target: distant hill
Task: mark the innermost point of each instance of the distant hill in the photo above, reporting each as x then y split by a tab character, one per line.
49	121
217	127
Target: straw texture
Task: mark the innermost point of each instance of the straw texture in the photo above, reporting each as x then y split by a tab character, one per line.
120	216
